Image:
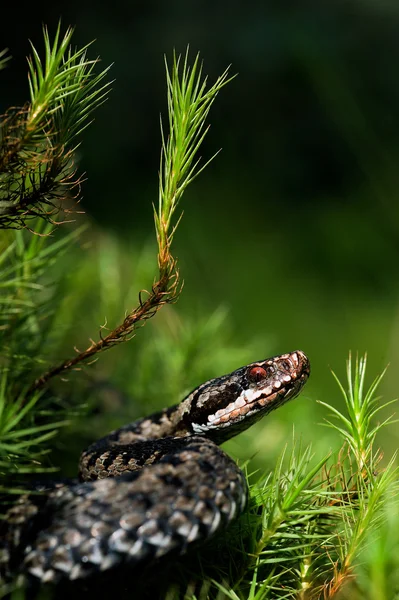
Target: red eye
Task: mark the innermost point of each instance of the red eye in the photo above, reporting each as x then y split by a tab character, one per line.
256	374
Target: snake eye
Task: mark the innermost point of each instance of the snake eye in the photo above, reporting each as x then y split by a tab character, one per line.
256	374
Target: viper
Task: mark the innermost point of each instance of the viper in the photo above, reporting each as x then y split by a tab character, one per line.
151	489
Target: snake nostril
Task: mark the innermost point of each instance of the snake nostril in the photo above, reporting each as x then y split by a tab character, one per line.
304	361
286	365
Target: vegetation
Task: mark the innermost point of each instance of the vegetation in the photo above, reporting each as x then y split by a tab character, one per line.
318	524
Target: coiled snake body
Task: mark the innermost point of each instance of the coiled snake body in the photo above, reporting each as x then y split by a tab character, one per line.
153	487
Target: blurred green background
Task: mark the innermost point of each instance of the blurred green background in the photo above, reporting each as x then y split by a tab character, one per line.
290	239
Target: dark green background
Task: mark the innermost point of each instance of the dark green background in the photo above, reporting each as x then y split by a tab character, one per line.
295	225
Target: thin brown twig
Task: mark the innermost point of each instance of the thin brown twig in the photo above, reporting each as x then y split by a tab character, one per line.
165	291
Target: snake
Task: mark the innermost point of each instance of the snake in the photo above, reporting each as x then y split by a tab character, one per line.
151	489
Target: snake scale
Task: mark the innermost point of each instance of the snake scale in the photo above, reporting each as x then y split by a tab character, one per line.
153	488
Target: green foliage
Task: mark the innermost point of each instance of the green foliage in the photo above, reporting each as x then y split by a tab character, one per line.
189	102
28	304
3	59
376	575
64	91
361	408
27	295
21	437
37	171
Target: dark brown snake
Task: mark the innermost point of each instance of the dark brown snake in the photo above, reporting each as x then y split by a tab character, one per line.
154	487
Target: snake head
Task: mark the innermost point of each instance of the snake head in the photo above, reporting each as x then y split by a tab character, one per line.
222	407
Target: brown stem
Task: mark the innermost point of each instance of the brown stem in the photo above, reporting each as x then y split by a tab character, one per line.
164	291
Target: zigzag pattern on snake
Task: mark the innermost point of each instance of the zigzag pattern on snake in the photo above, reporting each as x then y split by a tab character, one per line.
154	487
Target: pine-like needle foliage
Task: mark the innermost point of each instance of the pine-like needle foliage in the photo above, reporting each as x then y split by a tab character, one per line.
189	102
28	301
37	171
4	58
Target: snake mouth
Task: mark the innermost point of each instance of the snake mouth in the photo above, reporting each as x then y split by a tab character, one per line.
264	386
246	404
